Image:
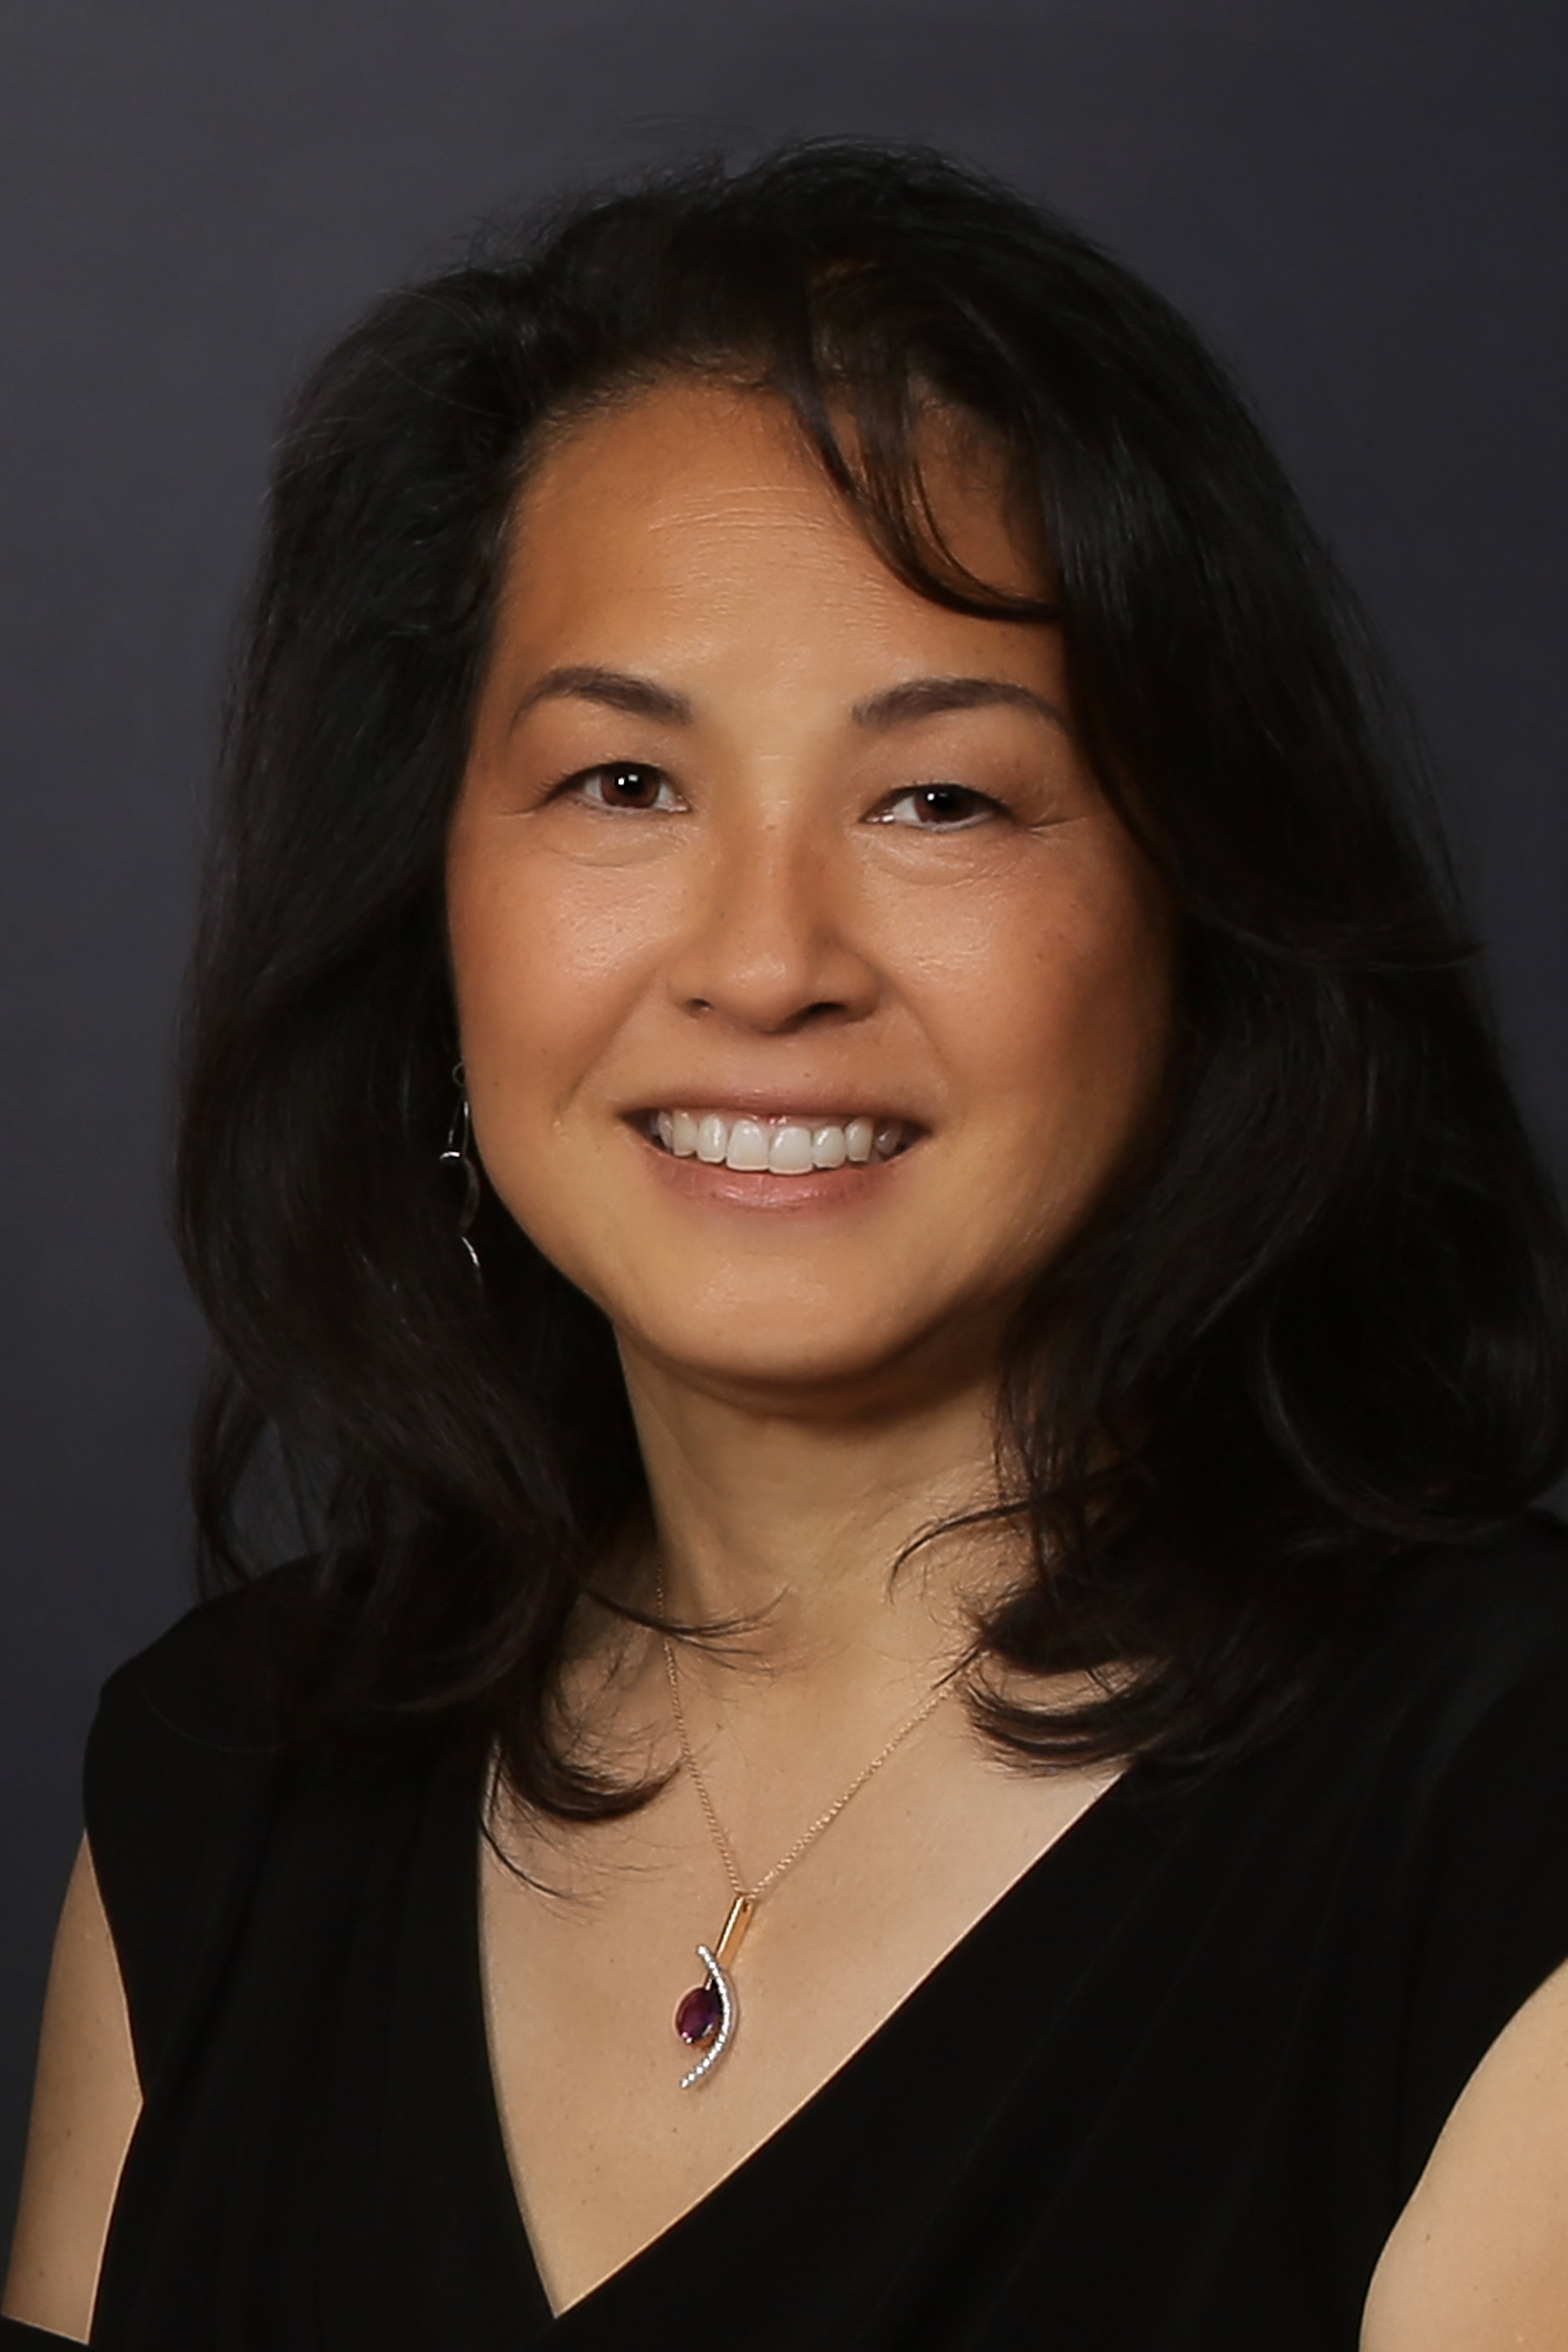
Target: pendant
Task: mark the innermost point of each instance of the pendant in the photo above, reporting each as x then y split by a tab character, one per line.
707	2016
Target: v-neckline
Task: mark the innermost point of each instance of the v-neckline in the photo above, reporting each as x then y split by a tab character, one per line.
966	1951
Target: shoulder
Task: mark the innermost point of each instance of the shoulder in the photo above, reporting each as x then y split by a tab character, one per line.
1444	1726
1447	1742
195	1705
1510	1585
1482	2233
1447	1674
1457	1637
181	1772
1485	2027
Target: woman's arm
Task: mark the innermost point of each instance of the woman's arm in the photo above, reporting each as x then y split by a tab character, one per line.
85	2106
1478	2259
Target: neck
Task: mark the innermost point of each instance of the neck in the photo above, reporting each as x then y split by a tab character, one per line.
791	1523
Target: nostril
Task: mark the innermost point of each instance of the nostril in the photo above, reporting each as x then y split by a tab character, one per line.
827	1008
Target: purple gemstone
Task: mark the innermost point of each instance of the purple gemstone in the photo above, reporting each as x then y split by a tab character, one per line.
700	2015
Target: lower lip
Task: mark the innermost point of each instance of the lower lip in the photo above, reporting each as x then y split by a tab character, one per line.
735	1188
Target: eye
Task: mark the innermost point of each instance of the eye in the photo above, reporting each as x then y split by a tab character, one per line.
623	784
938	808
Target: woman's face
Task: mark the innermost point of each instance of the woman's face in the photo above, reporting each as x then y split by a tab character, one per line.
763	863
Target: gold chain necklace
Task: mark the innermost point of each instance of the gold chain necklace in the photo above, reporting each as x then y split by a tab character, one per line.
706	2016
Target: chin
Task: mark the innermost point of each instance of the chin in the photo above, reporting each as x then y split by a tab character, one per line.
809	1360
831	1353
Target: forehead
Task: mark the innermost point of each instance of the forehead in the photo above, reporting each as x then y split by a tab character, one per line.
692	518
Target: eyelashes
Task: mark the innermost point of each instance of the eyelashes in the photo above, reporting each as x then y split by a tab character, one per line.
939	808
635	788
622	784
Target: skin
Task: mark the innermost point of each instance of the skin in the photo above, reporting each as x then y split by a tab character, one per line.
85	2099
775	912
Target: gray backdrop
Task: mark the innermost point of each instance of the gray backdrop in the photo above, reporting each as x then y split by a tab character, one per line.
1362	201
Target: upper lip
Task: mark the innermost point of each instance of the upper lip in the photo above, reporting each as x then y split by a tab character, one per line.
775	1103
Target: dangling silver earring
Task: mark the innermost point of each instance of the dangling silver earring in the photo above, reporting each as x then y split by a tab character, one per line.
459	1154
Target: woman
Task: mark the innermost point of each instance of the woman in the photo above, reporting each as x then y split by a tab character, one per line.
843	1162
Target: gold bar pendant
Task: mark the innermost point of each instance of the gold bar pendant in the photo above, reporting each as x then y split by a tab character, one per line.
735	1927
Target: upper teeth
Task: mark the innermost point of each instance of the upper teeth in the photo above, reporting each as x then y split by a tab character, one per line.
783	1147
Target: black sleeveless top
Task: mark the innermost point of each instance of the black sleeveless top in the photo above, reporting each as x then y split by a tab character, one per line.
1169	2095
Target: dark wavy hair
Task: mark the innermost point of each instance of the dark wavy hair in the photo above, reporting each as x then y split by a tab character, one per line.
1322	1323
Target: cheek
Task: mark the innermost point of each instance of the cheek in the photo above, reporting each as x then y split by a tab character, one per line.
542	980
1063	1011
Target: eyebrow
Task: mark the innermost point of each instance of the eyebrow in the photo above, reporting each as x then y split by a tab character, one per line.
929	698
615	690
895	706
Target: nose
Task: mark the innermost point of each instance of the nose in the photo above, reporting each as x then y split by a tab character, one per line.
772	944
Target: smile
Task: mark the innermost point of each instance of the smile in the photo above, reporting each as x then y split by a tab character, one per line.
778	1147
